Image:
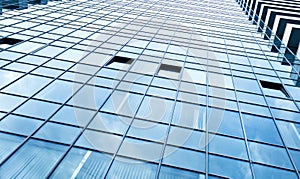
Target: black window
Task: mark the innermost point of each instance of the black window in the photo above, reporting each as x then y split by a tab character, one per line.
118	59
170	68
7	42
272	88
170	71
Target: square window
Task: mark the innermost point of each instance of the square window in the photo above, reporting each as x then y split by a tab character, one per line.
169	70
118	59
7	42
273	88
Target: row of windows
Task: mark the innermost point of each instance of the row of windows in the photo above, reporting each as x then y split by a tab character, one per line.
125	103
188	74
145	151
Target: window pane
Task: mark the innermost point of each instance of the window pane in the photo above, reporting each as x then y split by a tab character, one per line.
99	141
271	172
34	160
81	163
189	115
7	144
28	85
58	132
227	146
175	173
192	160
290	133
148	130
224	122
261	129
37	108
228	167
19	125
129	168
270	155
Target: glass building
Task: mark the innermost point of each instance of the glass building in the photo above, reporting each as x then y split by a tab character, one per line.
144	89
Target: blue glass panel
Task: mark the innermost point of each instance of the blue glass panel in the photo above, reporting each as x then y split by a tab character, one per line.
148	130
224	122
81	163
175	173
37	108
245	84
7	77
270	155
155	109
192	160
104	82
99	141
28	85
227	146
227	167
58	132
73	115
251	98
50	51
140	149
161	92
296	158
111	73
282	103
271	172
110	123
261	129
189	115
19	125
255	109
27	47
11	102
288	115
290	133
47	72
58	91
122	103
132	87
34	160
166	83
129	168
7	144
58	64
20	67
90	97
138	78
187	138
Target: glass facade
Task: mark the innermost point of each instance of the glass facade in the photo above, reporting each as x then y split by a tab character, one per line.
144	89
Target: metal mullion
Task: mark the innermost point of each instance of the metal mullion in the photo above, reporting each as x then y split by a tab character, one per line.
173	109
207	99
46	119
241	119
273	117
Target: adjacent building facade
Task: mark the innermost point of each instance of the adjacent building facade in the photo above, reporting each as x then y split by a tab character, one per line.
144	89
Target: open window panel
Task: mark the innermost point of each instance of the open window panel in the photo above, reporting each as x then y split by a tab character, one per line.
7	42
274	89
169	71
120	62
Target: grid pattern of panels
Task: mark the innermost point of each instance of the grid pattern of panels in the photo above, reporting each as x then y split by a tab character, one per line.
189	99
